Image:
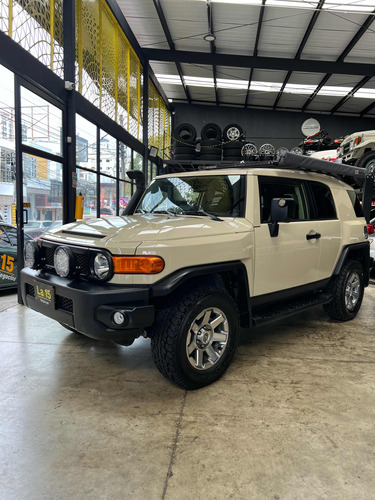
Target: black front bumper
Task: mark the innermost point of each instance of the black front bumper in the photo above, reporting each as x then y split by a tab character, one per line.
88	307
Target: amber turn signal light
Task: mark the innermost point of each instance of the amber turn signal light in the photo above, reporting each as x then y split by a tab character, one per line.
137	265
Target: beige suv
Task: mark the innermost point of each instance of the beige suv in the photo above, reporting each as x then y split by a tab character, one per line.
200	256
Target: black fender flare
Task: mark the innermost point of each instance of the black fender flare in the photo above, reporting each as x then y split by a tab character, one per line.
354	251
236	270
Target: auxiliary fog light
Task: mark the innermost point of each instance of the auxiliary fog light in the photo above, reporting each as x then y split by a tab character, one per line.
31	254
119	318
62	261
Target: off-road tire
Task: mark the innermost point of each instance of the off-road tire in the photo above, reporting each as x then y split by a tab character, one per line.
185	133
337	309
211	131
171	328
211	143
184	157
233	145
184	150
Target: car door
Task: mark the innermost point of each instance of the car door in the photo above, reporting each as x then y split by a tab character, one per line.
8	258
290	259
329	228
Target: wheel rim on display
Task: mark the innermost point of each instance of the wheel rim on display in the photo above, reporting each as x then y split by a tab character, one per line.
207	338
297	151
267	150
233	133
249	149
352	291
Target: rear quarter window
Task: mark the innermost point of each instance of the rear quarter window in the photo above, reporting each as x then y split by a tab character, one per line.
356	203
324	204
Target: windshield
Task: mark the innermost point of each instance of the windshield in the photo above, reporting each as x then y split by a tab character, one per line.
220	195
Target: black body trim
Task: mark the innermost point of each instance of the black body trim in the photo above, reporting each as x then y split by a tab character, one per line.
298	291
169	284
358	248
93	305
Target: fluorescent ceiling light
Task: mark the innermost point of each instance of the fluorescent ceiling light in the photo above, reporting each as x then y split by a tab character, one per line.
290	88
335	91
266	86
291	3
365	93
350	5
296	88
243	2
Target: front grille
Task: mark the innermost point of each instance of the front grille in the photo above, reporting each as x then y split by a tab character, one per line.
81	256
346	148
64	303
61	302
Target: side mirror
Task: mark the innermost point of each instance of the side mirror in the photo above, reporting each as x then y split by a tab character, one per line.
281	208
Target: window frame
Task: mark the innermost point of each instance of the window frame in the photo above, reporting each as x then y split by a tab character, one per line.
290	181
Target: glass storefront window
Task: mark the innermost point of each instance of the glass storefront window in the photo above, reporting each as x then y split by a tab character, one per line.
138	161
85	143
86	184
7	148
42	184
154	171
125	154
108	200
41	123
108	154
125	194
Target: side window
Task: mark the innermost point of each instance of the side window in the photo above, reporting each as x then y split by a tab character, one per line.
356	203
282	188
325	206
12	235
4	240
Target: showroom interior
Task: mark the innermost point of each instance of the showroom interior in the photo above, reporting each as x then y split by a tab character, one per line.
91	90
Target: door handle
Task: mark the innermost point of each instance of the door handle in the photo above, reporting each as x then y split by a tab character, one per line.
26	221
315	236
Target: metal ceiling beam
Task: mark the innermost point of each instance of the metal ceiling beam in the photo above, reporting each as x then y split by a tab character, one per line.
362	30
255	52
168	36
368	109
212	45
310	27
351	93
276	63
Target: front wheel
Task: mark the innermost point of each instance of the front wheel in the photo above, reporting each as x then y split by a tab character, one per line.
194	339
347	290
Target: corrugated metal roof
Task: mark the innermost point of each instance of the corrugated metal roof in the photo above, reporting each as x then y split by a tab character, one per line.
236	29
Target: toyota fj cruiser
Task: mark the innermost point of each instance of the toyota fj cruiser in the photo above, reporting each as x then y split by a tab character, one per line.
200	255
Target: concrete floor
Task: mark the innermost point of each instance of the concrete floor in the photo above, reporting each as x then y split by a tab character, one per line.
293	418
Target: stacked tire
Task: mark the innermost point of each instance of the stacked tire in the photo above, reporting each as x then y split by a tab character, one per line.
232	142
185	140
210	143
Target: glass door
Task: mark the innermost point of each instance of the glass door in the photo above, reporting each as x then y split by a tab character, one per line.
8	240
40	150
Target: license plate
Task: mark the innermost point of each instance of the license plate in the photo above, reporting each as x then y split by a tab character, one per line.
45	294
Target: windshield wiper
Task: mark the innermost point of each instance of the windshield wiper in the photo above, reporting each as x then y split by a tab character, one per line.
163	212
203	212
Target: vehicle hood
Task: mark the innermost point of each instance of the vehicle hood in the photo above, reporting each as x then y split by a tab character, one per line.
135	229
368	134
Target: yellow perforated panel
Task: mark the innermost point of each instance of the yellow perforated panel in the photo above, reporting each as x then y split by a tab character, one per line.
109	72
159	122
37	26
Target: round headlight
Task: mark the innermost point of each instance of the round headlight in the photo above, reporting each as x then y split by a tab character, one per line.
63	261
31	254
102	266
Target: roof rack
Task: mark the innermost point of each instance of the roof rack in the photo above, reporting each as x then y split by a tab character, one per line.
364	178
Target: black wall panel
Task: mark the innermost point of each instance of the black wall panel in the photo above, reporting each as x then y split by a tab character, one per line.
280	128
